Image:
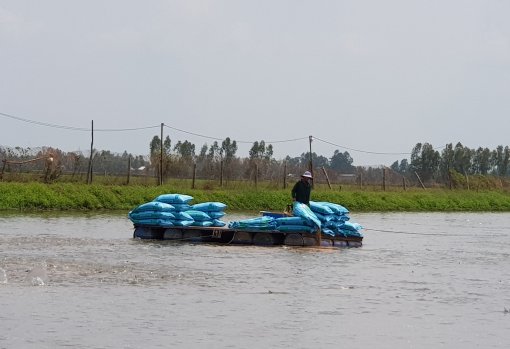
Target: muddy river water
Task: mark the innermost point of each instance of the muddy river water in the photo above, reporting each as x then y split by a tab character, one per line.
427	280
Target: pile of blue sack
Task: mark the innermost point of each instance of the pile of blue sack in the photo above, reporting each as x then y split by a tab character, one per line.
335	219
170	210
332	219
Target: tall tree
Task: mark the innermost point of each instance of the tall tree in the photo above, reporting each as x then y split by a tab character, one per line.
342	162
260	151
293	162
214	153
482	161
425	161
260	158
430	161
403	168
462	159
317	160
156	156
155	145
416	158
228	149
186	150
501	160
446	162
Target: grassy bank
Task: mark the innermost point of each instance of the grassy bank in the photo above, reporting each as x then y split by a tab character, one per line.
68	196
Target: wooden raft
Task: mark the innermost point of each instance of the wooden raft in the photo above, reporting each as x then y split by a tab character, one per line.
223	235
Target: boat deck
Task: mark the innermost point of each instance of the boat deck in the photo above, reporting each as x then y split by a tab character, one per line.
224	235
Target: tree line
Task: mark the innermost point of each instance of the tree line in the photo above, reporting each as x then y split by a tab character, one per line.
177	160
434	166
220	159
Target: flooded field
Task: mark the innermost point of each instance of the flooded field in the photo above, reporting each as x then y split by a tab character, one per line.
430	280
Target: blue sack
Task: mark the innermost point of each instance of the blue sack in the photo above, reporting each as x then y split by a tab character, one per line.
326	218
292	221
215	214
182	207
183	216
183	223
318	207
301	210
154	206
162	223
198	216
174	198
350	226
218	223
210	206
151	215
336	208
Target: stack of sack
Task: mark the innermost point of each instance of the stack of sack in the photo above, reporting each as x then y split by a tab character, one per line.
330	218
335	219
349	229
303	220
153	213
180	203
305	212
169	210
208	214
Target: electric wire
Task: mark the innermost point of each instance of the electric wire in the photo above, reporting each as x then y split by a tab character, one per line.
220	139
124	129
358	150
366	151
46	124
405	232
88	129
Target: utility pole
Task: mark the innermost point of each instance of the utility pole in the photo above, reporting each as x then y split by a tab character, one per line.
161	158
89	173
311	162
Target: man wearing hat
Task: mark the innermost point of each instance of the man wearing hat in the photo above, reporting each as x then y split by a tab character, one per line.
301	190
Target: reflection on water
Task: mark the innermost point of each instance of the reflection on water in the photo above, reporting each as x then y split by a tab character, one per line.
420	280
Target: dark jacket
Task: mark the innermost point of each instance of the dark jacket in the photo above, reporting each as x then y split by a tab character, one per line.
301	191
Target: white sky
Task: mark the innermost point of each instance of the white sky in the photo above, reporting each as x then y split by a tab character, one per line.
377	76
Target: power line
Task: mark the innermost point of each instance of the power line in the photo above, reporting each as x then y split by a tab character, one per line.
45	123
219	139
358	150
192	133
124	129
410	233
366	151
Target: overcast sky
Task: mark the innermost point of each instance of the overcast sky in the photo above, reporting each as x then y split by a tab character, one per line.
364	76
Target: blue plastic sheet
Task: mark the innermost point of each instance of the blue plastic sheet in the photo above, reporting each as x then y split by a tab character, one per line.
258	223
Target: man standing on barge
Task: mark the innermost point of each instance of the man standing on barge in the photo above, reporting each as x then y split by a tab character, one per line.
302	189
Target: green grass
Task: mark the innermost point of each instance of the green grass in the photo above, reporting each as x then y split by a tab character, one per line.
73	196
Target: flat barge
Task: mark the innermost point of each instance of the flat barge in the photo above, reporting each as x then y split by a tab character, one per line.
224	235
